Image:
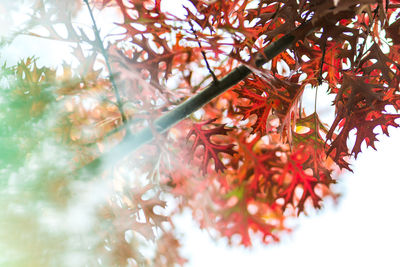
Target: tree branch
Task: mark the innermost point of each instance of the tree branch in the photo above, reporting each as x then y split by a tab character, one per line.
166	121
105	55
215	79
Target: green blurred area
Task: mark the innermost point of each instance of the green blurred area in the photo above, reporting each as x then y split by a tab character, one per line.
32	174
25	99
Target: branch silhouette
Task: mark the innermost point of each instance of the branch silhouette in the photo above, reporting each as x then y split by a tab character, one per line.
132	142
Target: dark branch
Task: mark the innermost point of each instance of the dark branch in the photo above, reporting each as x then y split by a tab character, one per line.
166	121
215	79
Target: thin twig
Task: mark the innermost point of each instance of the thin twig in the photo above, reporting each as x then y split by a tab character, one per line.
315	119
215	79
322	62
106	58
357	61
316	93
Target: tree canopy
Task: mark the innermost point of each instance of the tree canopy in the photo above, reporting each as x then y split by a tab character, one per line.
216	109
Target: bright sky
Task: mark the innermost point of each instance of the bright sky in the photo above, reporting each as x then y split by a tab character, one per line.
363	230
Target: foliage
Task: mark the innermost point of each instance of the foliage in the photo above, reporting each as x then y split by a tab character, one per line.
244	163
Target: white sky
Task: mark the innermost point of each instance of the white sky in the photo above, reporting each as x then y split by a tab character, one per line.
364	230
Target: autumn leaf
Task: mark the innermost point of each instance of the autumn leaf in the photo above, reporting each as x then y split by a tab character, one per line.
360	106
297	176
260	102
211	149
240	214
256	169
308	137
148	205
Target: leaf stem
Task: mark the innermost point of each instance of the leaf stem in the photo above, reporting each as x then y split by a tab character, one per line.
321	65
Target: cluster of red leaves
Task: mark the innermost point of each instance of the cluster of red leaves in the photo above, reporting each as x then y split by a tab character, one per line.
260	181
257	158
262	145
281	158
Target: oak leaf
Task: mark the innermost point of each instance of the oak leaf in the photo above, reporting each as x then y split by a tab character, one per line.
211	149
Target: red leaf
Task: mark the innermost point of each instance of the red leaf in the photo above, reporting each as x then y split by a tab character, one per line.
257	162
298	177
147	206
240	213
308	137
105	2
211	149
393	31
376	63
261	103
359	106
